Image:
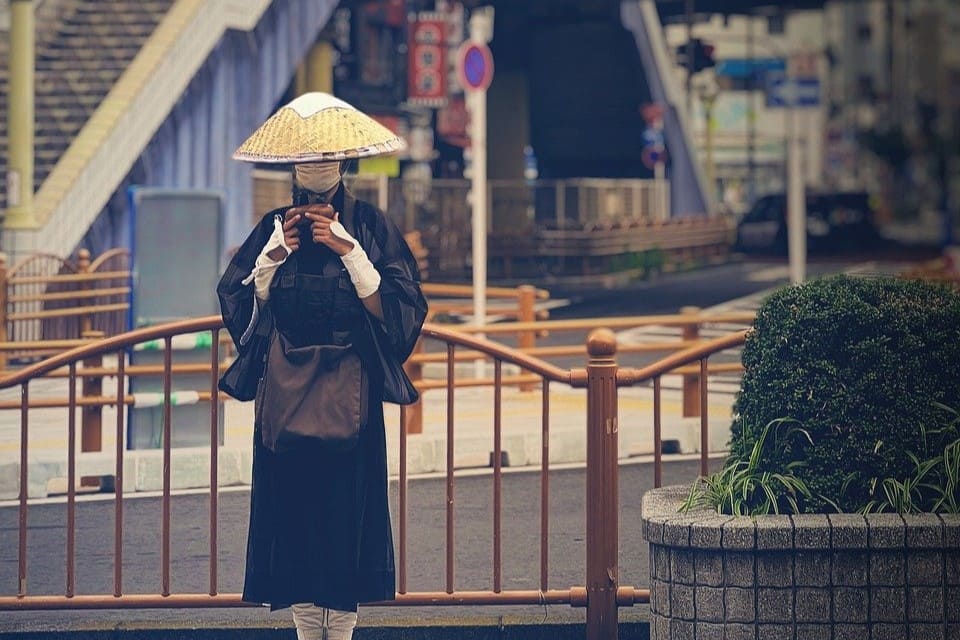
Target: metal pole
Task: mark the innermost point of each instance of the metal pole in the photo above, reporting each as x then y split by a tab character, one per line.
479	26
688	18
751	114
602	490
796	199
20	117
711	169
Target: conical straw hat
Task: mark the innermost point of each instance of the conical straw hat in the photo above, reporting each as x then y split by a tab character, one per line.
317	127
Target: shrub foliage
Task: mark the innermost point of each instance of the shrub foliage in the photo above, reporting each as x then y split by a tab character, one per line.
869	369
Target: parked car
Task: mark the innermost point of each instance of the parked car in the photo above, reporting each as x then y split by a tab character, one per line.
836	222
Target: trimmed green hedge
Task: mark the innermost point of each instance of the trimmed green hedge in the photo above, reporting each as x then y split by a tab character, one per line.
863	366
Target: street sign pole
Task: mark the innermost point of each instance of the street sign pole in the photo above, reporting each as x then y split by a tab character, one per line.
653	155
475	68
478	188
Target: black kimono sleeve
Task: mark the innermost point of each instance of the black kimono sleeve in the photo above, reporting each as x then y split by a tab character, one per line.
401	298
249	326
237	300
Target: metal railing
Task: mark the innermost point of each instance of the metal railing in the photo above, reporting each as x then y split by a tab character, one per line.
601	378
572	227
48	303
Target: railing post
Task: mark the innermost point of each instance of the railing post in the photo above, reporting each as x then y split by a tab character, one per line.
691	382
414	412
3	309
83	266
602	492
526	312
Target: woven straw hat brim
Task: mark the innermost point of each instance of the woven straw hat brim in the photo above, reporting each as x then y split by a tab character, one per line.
328	135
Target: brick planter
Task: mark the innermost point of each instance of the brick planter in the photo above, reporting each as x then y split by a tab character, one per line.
834	576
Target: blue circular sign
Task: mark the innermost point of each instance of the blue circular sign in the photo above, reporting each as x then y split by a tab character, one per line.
476	66
651	156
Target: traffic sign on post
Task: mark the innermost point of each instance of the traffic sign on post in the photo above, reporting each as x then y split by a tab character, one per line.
475	66
783	91
653	156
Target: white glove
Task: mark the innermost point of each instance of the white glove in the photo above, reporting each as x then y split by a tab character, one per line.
363	275
265	266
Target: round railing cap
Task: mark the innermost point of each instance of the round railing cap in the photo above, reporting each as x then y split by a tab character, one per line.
602	342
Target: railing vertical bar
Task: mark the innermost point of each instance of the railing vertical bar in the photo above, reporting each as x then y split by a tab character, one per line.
497	471
657	436
402	572
704	434
167	435
118	482
450	386
71	479
22	514
545	485
214	454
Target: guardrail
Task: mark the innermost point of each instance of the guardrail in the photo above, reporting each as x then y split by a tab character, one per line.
48	303
691	321
572	228
601	594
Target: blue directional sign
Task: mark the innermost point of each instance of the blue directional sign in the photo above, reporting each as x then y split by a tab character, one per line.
746	67
792	92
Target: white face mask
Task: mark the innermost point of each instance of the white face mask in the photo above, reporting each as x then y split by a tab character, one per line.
318	177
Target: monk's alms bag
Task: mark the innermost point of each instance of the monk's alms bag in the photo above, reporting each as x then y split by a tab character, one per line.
316	392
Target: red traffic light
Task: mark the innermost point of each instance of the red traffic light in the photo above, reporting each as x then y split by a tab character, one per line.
702	52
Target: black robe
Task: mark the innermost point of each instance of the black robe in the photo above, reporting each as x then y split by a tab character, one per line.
319	519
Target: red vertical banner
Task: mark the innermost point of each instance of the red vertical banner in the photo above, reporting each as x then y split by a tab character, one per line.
427	61
452	121
392	13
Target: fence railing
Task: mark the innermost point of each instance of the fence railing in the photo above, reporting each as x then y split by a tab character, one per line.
691	322
48	303
601	593
549	228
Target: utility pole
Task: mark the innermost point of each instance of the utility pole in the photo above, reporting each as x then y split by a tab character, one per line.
20	117
751	113
689	8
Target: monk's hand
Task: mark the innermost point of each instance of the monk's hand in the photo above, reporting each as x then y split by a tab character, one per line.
291	236
326	229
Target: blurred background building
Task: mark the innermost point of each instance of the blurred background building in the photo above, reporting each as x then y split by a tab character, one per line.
605	117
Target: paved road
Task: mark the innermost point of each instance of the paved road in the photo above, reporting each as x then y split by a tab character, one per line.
426	571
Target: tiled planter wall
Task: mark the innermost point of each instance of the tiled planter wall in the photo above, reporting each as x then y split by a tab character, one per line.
836	577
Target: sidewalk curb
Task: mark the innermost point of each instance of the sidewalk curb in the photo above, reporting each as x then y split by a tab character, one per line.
627	630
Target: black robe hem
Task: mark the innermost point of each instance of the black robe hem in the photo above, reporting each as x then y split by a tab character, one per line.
385	592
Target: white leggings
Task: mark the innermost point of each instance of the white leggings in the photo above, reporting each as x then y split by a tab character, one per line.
321	623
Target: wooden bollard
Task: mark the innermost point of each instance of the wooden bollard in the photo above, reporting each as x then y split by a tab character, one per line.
691	382
83	266
415	411
91	417
527	312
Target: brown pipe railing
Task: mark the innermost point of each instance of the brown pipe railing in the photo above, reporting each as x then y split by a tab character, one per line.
602	593
47	302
